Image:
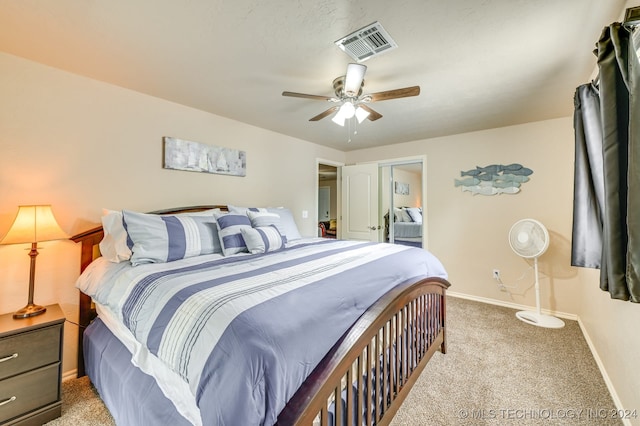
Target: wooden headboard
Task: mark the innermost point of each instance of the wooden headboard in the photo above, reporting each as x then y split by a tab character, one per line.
90	251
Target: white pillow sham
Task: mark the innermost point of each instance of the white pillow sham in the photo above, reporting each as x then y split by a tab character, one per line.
113	246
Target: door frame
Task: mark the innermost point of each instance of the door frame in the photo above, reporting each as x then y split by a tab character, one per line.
411	160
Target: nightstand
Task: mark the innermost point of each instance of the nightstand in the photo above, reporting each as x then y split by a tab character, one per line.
31	368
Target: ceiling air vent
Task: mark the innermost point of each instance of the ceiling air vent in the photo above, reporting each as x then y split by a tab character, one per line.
367	42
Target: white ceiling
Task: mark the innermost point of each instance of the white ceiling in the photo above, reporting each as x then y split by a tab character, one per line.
480	63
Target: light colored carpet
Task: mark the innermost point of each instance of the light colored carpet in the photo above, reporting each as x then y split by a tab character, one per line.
81	405
497	371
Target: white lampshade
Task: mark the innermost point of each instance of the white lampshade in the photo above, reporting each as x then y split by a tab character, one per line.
348	110
340	116
34	224
361	114
353	79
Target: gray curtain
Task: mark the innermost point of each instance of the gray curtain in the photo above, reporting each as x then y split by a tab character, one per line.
588	185
618	208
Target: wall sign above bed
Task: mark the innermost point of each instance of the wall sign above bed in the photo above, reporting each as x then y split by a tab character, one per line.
191	156
494	179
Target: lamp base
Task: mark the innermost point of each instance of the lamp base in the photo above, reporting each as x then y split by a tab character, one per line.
30	310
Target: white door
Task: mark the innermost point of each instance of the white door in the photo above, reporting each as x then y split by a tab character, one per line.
324	203
360	202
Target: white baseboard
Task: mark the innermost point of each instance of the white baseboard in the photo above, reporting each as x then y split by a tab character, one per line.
594	352
603	371
516	306
71	374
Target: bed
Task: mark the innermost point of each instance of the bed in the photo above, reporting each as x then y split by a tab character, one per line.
407	226
309	338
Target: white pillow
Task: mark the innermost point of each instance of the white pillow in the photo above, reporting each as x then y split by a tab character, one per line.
288	223
415	213
263	239
397	215
113	246
244	210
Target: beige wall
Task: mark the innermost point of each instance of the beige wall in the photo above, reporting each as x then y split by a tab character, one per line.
469	234
81	145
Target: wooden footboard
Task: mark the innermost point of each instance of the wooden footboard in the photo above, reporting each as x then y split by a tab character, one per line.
369	372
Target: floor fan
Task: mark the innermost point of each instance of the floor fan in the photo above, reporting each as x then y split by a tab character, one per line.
529	238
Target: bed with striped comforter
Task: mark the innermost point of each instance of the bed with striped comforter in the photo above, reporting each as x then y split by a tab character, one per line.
243	332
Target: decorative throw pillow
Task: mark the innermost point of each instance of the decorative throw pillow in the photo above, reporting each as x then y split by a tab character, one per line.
113	246
265	219
287	227
165	238
230	227
405	215
415	213
263	239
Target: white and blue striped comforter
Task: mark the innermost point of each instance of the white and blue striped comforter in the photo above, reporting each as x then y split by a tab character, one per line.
245	331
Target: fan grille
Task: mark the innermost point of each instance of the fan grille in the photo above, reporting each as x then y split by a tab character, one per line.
528	238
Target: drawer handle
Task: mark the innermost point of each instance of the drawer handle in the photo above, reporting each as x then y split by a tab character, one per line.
7	358
13	398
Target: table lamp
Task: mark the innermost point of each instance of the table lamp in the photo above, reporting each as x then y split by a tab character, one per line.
33	224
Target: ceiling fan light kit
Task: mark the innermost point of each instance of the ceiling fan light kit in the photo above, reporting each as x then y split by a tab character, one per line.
529	238
360	45
352	102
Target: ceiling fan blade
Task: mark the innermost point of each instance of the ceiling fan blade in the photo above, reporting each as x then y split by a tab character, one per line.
373	115
325	113
306	96
394	94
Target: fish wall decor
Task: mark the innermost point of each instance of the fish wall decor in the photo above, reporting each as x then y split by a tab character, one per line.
493	179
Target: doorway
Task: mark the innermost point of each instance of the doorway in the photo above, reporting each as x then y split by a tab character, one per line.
370	191
402	193
327	199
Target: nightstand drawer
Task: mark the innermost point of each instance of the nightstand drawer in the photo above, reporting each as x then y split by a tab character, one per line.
29	391
34	349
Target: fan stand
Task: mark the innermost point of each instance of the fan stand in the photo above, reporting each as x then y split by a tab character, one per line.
538	318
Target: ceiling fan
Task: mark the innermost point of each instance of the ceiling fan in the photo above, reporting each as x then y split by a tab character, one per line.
350	100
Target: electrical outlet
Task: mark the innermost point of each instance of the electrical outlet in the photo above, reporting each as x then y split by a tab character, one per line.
496	274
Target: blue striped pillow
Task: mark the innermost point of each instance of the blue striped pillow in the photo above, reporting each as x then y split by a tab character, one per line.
263	239
165	238
230	227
